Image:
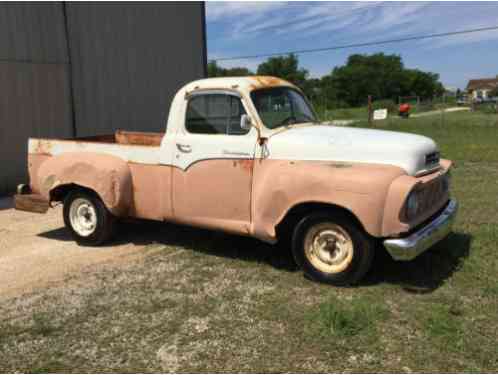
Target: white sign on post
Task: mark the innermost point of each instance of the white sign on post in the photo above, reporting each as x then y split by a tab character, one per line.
380	114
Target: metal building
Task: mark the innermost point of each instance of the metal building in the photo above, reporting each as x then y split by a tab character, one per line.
75	69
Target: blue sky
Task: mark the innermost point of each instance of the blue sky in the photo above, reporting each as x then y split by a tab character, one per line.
245	28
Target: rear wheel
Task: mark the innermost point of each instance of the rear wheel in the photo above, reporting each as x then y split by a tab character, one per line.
331	248
87	218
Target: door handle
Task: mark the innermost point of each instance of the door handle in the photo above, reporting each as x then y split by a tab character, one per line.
184	148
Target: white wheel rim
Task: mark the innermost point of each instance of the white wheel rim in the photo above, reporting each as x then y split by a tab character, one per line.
328	247
83	217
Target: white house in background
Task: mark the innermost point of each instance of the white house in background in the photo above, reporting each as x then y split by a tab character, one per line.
480	88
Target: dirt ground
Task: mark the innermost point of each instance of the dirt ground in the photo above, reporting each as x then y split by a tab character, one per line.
37	251
166	298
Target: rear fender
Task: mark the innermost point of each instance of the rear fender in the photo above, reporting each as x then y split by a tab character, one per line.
107	175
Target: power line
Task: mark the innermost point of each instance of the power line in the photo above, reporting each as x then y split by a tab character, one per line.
354	45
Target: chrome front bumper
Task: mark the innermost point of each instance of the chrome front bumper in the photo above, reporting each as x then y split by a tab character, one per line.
410	247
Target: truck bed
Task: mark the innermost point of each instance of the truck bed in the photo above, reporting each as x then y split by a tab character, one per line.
138	147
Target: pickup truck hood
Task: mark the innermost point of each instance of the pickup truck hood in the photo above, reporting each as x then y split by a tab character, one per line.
413	153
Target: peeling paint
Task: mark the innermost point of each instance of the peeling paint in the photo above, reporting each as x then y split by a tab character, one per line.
341	165
245	164
107	175
138	138
43	146
268	81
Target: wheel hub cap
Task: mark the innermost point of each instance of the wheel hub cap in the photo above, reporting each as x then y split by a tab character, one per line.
329	248
83	217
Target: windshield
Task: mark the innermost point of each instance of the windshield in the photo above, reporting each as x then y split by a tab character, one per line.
282	106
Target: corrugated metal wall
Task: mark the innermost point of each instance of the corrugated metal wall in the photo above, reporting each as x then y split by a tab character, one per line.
91	67
129	60
34	88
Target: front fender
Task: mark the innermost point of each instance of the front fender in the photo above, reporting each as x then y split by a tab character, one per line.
280	185
107	175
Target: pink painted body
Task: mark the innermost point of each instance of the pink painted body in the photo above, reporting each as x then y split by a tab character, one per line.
237	189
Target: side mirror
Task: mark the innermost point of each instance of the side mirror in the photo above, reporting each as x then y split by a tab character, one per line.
245	122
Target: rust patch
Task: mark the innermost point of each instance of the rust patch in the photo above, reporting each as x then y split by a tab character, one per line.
341	165
245	164
138	138
268	81
107	175
50	182
43	147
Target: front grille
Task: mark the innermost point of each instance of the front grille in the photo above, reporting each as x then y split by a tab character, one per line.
432	159
431	194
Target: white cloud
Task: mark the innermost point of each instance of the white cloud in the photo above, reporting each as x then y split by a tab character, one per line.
233	10
358	21
255	19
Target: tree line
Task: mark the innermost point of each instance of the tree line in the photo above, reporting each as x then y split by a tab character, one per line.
383	76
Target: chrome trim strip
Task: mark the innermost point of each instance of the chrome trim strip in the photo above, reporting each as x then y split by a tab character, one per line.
425	172
236	153
415	244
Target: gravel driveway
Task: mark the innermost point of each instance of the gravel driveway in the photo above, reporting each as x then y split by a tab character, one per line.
36	250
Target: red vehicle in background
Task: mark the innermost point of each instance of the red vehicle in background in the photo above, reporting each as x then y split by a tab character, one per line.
404	110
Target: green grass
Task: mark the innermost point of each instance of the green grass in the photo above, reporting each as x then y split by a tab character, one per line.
336	318
443	325
360	113
42	324
463	136
232	304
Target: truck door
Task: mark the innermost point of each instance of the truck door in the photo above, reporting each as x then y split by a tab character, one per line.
213	163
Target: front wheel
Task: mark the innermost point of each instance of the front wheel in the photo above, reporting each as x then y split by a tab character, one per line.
87	218
331	248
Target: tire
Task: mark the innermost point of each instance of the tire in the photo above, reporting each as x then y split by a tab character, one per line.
87	218
315	248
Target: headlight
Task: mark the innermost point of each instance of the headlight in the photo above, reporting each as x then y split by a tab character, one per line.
412	204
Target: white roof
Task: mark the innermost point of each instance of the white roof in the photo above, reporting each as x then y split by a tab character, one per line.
246	84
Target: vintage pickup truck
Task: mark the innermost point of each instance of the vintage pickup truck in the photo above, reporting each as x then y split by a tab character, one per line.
247	155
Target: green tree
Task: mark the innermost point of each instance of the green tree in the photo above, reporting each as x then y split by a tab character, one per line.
213	70
285	67
238	72
423	84
382	76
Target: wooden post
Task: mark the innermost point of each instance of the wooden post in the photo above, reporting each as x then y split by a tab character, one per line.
370	111
443	103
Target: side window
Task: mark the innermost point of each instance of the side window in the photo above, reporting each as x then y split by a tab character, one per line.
214	114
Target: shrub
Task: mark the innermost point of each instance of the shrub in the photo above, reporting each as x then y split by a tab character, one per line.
391	106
